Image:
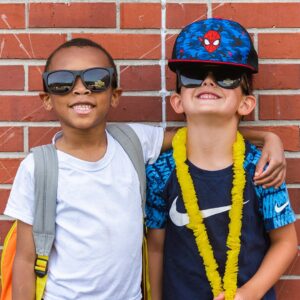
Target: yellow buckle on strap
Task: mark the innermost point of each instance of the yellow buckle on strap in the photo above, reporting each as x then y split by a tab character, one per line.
41	265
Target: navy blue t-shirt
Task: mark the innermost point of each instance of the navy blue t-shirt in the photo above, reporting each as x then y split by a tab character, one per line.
184	276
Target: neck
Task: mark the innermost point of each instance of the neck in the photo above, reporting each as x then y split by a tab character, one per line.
84	144
209	146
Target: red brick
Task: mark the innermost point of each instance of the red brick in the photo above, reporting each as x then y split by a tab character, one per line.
41	135
274	77
12	16
293	166
170	80
12	78
279	45
179	14
35	81
3	199
287	289
31	46
24	108
11	139
279	107
140	78
288	134
128	46
61	15
294	268
294	194
137	109
279	14
140	15
4	228
8	169
170	40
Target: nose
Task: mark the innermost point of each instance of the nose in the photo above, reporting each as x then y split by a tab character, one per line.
209	80
79	88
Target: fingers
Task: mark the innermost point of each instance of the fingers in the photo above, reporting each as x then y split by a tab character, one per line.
273	175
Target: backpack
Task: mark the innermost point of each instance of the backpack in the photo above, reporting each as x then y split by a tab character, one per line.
46	176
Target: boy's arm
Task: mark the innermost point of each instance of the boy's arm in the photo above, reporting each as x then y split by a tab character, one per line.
155	242
23	281
279	256
272	154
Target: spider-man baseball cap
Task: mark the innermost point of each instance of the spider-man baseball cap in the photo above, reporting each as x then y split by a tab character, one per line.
217	42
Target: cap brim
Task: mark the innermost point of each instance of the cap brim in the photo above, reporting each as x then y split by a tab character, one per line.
179	64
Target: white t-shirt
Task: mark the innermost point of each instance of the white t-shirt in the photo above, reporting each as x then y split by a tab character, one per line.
99	228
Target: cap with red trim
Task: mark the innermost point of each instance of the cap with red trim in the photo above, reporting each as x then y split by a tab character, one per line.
218	42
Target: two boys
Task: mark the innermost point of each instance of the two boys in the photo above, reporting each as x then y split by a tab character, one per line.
213	233
97	249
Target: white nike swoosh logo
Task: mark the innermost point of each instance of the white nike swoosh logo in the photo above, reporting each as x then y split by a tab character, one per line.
280	208
182	219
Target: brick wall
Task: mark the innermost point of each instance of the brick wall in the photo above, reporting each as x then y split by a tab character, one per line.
140	35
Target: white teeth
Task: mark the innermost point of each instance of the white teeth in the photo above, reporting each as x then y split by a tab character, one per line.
208	96
82	108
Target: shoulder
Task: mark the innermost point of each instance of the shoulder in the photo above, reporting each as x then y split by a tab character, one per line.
141	129
161	170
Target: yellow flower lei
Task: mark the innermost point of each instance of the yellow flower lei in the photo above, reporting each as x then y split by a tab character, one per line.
196	221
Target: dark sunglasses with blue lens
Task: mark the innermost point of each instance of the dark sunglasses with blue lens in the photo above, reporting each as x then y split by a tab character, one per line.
61	82
226	79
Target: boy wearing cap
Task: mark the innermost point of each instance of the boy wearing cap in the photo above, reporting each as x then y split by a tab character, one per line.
213	234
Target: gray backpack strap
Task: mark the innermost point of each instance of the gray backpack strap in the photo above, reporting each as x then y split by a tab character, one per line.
46	178
130	142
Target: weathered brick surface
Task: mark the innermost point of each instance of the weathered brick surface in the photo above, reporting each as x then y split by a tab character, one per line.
181	14
55	15
11	139
29	46
274	77
279	15
12	78
140	15
279	45
137	109
12	16
8	169
128	46
140	78
279	107
4	193
41	135
23	108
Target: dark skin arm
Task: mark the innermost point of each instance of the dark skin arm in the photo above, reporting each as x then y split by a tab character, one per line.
272	153
23	281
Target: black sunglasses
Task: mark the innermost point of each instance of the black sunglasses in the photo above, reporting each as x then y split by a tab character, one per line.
223	78
61	82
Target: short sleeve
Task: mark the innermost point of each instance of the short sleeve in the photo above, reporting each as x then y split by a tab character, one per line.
20	203
158	175
274	204
275	207
151	138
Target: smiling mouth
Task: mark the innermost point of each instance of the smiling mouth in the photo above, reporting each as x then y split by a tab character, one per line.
82	108
208	96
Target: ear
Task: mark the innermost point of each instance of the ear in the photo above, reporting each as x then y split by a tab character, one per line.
45	97
247	105
176	103
115	98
